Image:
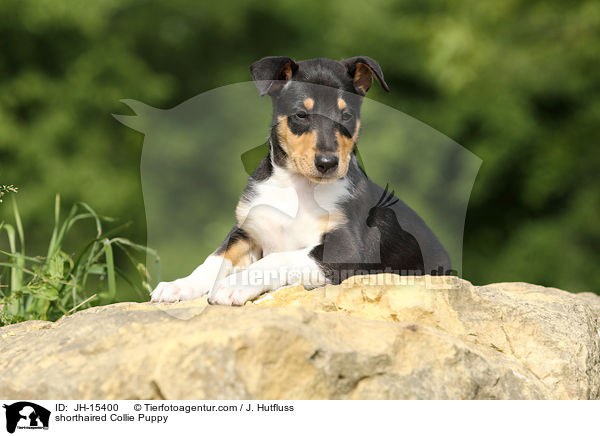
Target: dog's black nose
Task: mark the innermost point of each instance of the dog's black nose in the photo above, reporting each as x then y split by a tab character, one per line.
326	162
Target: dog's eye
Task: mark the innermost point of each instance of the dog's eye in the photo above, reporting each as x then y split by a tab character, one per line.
346	115
302	114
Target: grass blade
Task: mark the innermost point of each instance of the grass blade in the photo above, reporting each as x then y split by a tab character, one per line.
110	268
52	245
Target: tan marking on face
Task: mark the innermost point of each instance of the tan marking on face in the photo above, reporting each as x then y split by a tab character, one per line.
301	149
345	147
241	252
309	103
341	104
331	221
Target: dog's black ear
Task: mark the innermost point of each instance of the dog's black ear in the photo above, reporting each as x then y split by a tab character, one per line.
271	73
362	69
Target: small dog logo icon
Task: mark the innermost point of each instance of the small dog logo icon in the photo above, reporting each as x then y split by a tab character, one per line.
26	415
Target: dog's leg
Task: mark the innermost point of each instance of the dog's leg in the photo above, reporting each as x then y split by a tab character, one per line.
236	252
271	272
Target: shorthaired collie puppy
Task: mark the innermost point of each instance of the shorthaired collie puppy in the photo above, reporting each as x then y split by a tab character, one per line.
310	214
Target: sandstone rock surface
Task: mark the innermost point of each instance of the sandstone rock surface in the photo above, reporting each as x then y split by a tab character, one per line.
372	337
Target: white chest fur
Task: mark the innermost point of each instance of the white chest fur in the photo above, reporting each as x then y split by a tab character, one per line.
288	212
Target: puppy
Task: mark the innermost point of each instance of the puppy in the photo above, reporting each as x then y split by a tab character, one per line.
310	214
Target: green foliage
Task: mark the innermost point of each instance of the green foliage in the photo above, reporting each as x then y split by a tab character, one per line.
60	283
514	82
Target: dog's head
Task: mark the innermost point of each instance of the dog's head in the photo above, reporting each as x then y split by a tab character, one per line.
316	109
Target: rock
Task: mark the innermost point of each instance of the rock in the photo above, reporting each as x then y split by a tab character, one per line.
593	300
372	337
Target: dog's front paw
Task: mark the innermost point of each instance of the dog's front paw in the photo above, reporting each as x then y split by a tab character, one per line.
181	289
227	292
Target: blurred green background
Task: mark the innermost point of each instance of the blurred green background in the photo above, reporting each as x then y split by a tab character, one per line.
516	82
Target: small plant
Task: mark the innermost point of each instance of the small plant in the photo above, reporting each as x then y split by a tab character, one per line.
60	283
5	189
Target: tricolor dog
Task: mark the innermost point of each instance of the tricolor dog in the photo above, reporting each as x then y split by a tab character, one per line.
310	214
